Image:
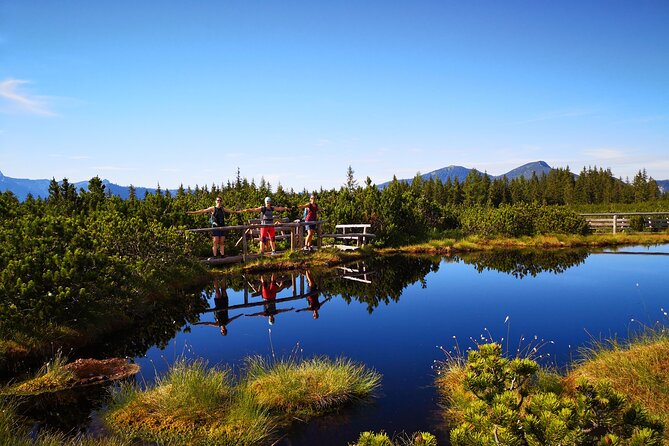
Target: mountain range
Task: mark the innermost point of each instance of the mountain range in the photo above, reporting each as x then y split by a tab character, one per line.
21	187
526	171
40	188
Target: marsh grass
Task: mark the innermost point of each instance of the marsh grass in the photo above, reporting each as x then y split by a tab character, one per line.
192	404
50	377
306	388
195	404
14	431
637	369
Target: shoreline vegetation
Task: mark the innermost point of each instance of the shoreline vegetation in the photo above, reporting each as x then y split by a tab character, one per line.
196	404
328	257
617	393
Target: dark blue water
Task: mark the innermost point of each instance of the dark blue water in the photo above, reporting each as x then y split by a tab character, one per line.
393	313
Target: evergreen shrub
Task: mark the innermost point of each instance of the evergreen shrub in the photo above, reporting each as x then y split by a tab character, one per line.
508	405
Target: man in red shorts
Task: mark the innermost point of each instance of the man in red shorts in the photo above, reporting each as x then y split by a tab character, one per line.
267	233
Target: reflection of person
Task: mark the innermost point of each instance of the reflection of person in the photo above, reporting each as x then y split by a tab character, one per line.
221	304
311	209
269	290
217	221
267	233
313	294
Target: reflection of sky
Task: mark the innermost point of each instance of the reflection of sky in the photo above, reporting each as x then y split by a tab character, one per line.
596	299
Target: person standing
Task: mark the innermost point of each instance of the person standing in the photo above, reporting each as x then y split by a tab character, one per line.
217	220
311	209
267	232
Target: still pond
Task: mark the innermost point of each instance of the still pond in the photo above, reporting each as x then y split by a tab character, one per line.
394	314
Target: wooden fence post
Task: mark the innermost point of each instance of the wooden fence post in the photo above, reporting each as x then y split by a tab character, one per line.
615	223
244	247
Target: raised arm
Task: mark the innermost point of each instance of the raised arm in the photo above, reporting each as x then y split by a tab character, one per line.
201	211
249	210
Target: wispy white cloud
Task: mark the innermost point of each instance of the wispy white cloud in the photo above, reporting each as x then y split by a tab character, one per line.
14	99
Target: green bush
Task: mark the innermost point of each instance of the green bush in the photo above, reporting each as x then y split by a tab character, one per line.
382	439
521	220
510	408
637	223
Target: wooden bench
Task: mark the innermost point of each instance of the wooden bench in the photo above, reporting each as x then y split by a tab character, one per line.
347	233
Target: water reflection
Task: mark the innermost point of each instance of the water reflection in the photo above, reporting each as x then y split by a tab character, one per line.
313	295
523	263
221	307
379	282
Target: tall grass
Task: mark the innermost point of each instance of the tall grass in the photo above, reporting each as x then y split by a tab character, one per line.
197	405
637	368
309	387
51	376
14	432
192	404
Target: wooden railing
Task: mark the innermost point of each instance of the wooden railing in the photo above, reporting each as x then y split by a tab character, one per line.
292	230
355	232
620	221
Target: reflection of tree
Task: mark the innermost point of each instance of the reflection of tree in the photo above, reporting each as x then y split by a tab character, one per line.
391	274
153	324
521	263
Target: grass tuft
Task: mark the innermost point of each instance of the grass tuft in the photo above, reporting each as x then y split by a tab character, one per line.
309	387
637	369
52	376
197	405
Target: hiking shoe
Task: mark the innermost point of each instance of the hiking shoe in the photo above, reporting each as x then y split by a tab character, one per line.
273	253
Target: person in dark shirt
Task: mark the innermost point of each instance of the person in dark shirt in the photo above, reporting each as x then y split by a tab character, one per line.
217	221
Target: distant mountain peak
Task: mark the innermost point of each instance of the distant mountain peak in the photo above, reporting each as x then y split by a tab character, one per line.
452	172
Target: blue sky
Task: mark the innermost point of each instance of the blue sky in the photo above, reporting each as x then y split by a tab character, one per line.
185	92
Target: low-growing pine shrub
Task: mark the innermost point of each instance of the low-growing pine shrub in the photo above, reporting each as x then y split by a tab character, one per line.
509	407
